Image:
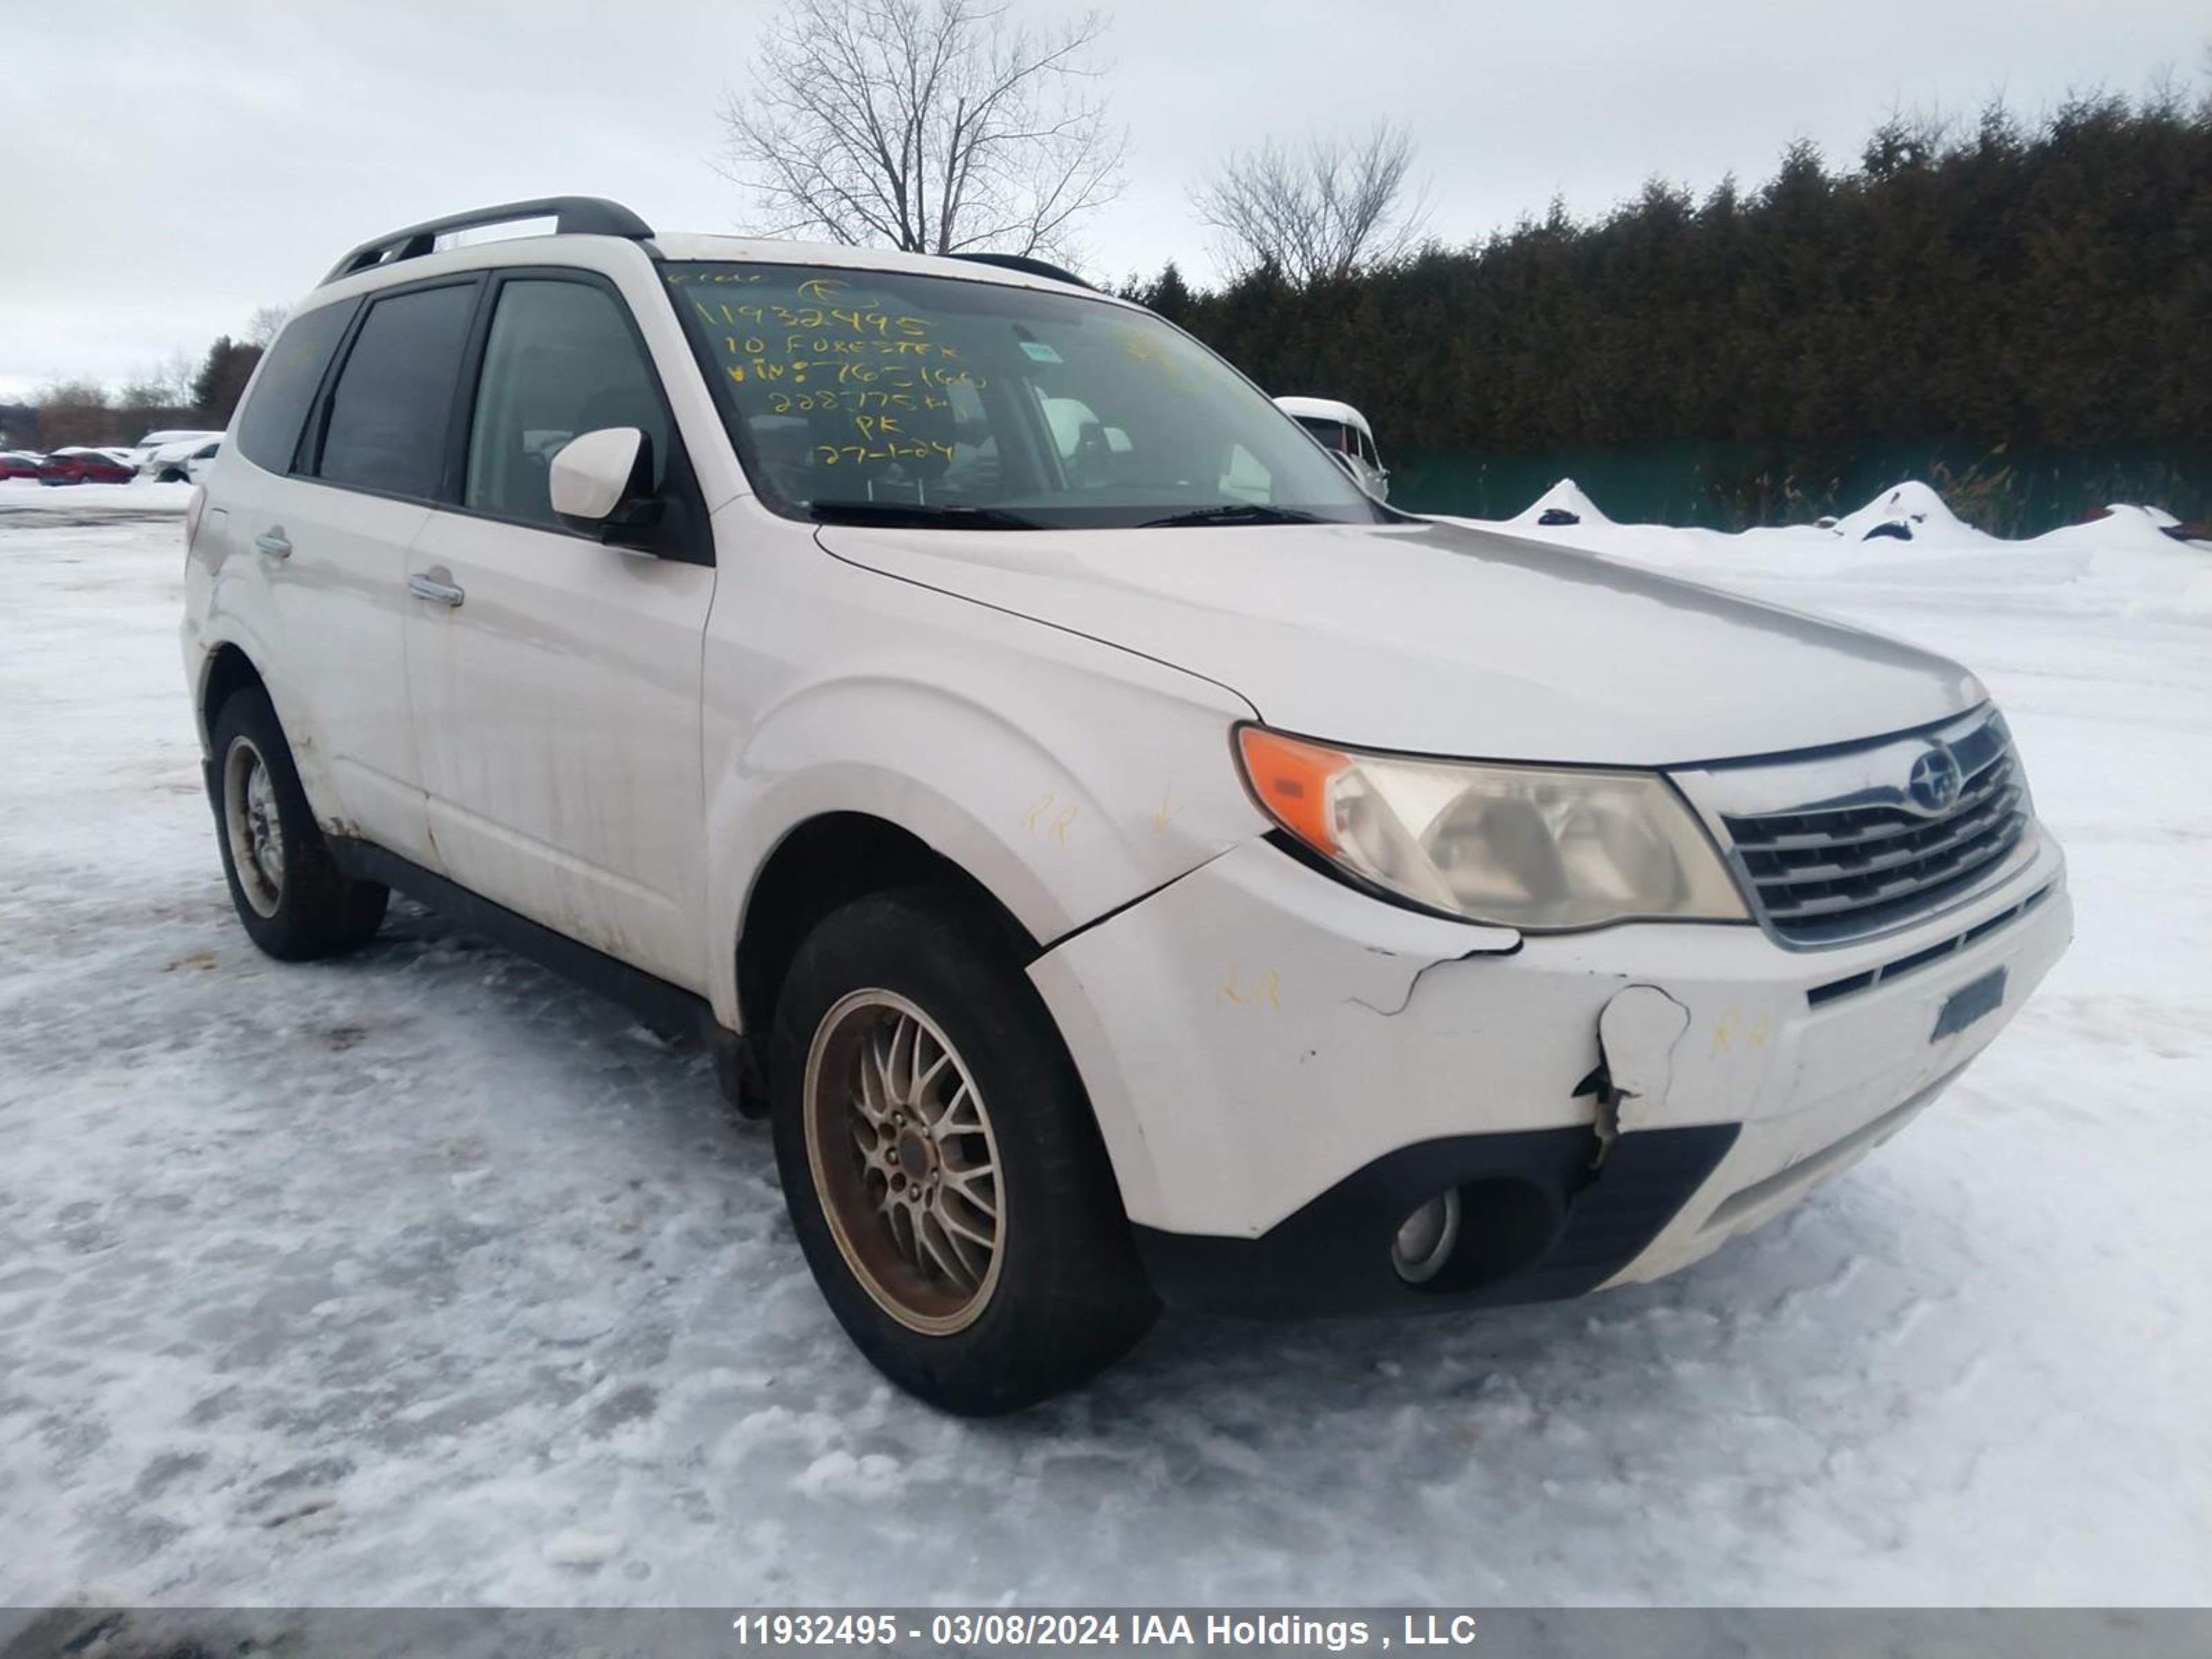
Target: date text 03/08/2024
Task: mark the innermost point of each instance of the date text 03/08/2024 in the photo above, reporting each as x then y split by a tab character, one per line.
1000	1628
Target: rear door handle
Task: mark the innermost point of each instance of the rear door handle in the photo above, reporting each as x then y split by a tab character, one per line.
273	542
424	586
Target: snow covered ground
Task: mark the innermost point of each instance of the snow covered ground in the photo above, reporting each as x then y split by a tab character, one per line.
423	1278
108	502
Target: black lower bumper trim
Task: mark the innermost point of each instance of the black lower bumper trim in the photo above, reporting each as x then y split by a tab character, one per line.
1541	1219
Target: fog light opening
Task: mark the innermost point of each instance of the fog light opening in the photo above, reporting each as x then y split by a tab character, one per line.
1426	1239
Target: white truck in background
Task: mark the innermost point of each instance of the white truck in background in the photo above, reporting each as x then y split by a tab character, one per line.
1343	431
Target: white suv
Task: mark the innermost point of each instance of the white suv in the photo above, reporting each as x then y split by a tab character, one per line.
1131	864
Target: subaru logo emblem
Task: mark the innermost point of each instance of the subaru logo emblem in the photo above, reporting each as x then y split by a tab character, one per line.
1935	780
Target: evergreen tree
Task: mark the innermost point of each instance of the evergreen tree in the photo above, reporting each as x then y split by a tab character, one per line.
1984	289
221	379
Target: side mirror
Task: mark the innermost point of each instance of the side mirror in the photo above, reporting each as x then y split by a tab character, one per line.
603	480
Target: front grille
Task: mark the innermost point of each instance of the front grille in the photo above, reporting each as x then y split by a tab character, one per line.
1843	871
1852	984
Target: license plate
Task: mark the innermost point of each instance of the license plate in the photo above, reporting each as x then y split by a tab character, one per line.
1969	1003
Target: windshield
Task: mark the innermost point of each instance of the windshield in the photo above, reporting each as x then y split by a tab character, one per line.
878	394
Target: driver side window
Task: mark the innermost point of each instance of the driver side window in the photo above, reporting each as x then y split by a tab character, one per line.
559	361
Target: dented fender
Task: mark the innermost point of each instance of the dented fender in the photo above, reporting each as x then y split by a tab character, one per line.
1067	777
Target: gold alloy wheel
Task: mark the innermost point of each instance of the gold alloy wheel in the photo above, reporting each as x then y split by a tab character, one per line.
904	1163
250	820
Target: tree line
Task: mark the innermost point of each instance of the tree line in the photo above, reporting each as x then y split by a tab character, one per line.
2018	309
2003	288
176	394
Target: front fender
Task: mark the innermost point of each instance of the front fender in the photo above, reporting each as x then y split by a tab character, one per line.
1067	781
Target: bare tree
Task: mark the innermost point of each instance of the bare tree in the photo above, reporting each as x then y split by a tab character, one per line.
931	125
1317	211
75	412
262	326
165	385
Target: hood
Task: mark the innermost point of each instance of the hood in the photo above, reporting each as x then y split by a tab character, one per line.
1438	640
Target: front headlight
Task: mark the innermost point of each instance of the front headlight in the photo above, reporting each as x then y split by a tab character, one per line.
1535	847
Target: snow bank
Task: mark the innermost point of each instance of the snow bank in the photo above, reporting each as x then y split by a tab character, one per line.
2122	563
1909	513
2123	525
1564	496
77	501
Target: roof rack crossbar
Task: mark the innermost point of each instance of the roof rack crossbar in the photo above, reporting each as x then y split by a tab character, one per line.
1023	263
572	216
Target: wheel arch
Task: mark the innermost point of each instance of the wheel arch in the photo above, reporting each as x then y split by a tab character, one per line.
833	858
234	660
1053	800
825	861
226	670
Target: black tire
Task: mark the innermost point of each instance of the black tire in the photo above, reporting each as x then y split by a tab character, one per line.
1069	1296
312	909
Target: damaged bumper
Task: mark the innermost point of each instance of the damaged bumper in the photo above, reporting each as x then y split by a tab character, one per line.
1284	1069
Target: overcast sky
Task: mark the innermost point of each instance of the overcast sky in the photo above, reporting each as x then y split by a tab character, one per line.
169	167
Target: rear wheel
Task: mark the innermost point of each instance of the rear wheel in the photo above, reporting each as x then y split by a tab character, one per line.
290	893
940	1163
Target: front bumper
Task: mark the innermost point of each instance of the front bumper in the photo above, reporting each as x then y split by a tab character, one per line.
1283	1069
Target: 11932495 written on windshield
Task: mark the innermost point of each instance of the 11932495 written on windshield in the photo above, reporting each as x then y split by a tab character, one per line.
904	392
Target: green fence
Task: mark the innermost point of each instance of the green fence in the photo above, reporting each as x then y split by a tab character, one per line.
1731	485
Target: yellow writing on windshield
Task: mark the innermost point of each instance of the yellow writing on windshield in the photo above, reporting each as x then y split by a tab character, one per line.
871	380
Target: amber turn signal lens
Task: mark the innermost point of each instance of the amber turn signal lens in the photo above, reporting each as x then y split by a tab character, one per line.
1292	779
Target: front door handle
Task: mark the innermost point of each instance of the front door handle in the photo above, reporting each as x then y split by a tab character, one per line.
272	542
426	584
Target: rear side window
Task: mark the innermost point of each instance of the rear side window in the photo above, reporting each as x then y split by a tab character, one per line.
269	428
389	412
559	361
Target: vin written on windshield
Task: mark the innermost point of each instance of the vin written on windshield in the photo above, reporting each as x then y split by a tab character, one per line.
889	390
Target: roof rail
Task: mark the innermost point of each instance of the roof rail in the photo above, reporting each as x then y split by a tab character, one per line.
1023	263
572	216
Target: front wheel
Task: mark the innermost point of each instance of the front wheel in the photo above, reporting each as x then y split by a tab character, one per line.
940	1163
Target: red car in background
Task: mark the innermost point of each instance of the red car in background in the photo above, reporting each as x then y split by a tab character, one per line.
69	466
13	466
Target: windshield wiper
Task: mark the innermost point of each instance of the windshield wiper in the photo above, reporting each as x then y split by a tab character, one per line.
1234	512
919	512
